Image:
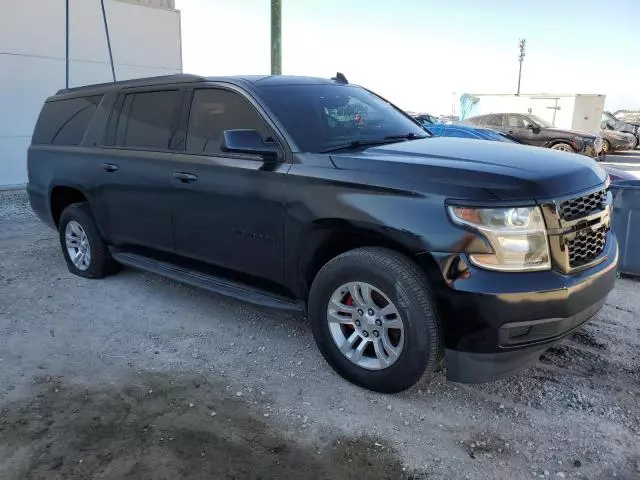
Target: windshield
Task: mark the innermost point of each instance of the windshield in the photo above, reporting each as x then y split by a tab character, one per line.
542	123
630	117
321	117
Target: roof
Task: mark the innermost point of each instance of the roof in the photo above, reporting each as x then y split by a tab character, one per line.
188	78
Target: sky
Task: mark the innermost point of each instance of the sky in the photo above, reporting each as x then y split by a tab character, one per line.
422	54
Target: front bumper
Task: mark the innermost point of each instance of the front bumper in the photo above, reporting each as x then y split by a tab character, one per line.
590	150
496	323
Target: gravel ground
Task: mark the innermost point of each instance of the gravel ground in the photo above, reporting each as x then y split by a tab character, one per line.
136	376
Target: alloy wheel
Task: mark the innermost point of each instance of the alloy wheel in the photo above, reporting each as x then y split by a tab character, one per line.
365	325
77	244
562	147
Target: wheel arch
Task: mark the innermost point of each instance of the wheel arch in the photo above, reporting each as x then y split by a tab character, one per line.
332	237
61	196
556	141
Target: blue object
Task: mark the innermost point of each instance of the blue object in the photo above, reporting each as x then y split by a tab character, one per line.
626	224
467	131
468	106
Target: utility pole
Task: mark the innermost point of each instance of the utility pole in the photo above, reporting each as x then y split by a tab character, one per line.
523	42
276	37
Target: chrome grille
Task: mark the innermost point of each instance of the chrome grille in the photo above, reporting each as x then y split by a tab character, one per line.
586	246
582	206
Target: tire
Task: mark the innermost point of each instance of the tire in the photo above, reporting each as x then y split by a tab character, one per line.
563	147
606	147
407	289
635	145
99	263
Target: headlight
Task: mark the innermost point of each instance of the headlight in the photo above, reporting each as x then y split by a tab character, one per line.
517	236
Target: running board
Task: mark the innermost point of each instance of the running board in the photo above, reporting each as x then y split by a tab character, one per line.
211	283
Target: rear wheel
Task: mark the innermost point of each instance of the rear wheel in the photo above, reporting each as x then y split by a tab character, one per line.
635	143
374	319
563	147
84	249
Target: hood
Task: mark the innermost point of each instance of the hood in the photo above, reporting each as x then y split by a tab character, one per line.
508	171
611	134
572	133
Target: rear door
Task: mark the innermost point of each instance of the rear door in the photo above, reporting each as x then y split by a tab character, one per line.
135	190
228	209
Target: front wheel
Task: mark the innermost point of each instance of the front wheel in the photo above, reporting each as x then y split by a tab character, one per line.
606	147
374	319
563	147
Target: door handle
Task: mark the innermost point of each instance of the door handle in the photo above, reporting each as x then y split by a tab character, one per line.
185	177
109	167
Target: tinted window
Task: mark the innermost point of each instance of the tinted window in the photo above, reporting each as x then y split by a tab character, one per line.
323	116
64	122
515	121
214	111
150	119
492	121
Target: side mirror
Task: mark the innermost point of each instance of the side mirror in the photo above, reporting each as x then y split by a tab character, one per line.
534	128
247	141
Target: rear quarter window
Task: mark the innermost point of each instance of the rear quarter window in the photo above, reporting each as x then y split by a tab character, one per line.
64	122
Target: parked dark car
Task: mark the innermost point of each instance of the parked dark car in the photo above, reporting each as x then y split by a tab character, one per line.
468	131
613	141
622	121
533	130
399	246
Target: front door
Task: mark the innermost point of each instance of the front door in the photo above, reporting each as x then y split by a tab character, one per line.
228	209
521	128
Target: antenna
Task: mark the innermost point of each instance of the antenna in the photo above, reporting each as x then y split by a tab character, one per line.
340	78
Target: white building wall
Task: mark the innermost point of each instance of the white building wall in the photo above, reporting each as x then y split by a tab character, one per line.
145	41
587	112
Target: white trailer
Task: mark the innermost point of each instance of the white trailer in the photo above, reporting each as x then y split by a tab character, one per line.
574	111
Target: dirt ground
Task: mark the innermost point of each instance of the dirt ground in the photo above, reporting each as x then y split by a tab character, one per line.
139	377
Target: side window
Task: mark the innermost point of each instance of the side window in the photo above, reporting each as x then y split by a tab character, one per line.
494	121
214	111
515	121
148	119
64	122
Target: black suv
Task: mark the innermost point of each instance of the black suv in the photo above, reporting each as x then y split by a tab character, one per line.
533	130
320	197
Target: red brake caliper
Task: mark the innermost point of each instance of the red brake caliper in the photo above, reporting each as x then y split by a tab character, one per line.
348	301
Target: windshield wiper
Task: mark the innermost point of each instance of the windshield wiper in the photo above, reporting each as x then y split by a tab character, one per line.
376	141
406	136
362	143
